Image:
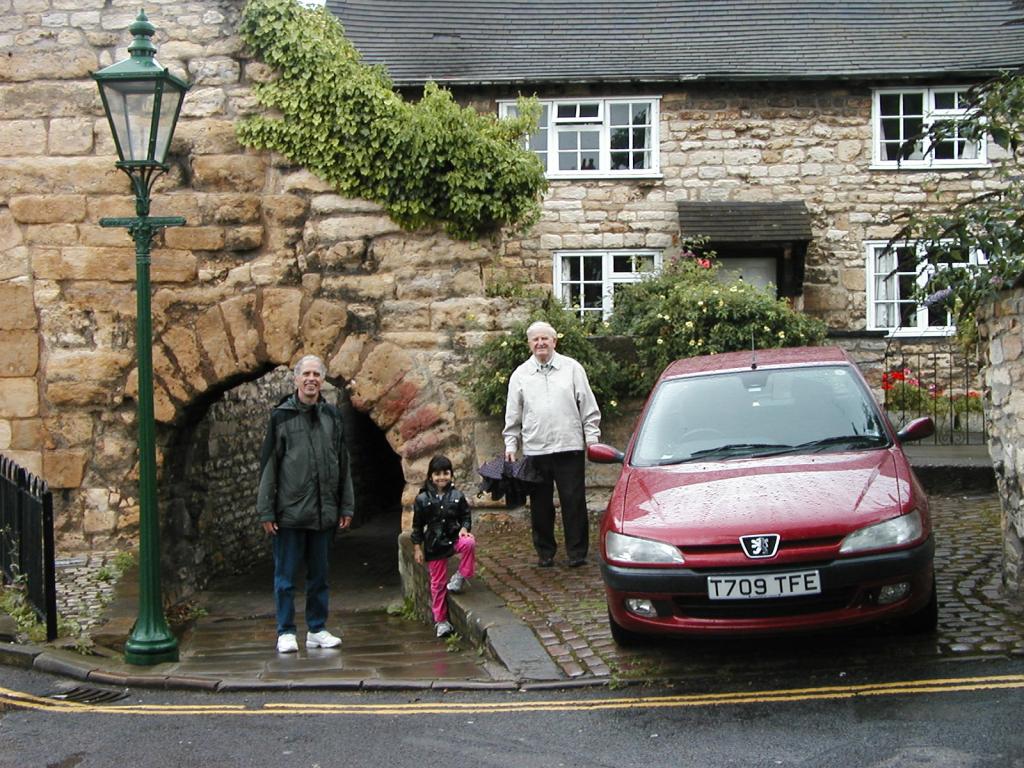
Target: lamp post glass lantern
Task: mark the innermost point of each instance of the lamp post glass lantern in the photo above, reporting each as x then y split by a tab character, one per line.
142	101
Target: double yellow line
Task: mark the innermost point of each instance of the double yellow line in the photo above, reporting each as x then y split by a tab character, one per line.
18	700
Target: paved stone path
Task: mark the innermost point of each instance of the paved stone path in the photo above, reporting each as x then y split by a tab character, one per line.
566	607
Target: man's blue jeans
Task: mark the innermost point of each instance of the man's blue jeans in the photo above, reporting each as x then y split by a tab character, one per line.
290	546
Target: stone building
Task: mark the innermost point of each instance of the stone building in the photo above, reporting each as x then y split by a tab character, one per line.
776	132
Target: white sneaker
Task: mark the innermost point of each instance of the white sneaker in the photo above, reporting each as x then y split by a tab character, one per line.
322	639
444	628
457	583
286	644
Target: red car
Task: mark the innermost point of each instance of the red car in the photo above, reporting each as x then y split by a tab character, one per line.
765	492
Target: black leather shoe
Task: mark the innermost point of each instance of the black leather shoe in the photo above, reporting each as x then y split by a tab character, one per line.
545	562
577	562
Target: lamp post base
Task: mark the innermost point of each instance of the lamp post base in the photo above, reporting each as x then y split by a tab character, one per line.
146	653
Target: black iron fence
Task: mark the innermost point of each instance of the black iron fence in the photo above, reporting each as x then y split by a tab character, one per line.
26	539
938	379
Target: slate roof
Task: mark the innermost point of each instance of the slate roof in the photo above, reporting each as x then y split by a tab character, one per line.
474	42
742	222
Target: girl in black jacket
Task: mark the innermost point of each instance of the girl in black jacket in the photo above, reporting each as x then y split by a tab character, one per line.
441	524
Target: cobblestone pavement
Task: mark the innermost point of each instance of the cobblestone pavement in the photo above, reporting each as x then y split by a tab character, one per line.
566	607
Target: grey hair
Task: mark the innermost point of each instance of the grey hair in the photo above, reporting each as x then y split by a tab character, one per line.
541	325
306	358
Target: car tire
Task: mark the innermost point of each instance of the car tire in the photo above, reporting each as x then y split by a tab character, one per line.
926	620
622	636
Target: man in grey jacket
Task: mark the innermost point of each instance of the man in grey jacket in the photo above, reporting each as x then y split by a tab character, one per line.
551	409
305	493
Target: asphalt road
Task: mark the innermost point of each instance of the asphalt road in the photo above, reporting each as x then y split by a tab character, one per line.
950	714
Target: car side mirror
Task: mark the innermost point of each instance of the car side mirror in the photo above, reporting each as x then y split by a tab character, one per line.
599	453
918	429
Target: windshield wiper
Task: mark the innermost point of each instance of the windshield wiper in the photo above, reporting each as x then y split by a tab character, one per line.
734	449
854	441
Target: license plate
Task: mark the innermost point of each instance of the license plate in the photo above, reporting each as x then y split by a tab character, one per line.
764	586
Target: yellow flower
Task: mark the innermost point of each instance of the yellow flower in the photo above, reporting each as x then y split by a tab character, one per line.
782	334
661	341
693	343
733	289
689	323
613	403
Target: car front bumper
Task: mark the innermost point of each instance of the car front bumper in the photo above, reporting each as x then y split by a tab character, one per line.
849	595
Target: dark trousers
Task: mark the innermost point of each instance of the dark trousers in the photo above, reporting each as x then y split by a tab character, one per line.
565	471
291	546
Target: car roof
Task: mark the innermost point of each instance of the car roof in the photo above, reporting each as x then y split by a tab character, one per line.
763	358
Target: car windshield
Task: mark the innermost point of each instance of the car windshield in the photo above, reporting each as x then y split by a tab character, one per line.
759	413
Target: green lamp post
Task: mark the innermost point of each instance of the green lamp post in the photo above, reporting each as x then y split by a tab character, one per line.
142	101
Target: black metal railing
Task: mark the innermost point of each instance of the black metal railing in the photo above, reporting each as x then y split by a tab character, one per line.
925	377
26	539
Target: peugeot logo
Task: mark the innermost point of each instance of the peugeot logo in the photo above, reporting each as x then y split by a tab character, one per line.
760	545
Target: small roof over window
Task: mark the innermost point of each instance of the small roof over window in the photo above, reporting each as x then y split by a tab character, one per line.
745	222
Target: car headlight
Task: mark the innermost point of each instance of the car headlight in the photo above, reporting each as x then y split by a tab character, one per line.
629	549
891	533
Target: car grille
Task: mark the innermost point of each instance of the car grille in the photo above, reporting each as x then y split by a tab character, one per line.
700	607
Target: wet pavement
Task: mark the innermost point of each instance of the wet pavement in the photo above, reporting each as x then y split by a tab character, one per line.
524	626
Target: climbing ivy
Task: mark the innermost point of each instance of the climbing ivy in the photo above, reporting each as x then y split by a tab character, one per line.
427	162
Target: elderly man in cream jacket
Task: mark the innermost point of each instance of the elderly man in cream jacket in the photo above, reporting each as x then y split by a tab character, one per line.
552	412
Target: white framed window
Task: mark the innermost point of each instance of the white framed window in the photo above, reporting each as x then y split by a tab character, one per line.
581	138
899	115
894	274
585	280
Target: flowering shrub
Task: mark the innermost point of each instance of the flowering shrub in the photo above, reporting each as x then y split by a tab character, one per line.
682	311
685	310
908	393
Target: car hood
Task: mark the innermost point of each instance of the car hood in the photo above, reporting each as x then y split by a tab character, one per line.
821	495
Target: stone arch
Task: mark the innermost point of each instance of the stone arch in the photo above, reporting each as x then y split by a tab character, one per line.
240	337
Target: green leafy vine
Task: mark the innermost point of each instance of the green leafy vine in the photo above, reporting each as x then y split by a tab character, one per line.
429	162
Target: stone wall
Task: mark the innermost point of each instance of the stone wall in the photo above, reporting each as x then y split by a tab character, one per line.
272	264
1001	327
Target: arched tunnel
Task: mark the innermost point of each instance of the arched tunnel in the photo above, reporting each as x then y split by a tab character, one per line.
209	526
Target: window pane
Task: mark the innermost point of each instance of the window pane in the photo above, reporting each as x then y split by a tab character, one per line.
913	103
640	114
639	138
620	161
570	268
889	103
620	138
539	142
640	160
567	111
618	114
571	295
623	262
592	295
590	140
589	110
593	267
945	100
